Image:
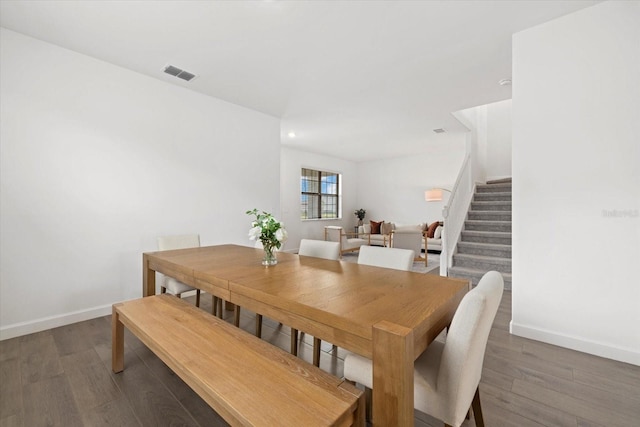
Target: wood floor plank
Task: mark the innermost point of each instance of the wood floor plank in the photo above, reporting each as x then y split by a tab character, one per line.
10	386
629	405
619	371
50	402
527	408
497	379
72	338
12	421
152	403
563	402
608	384
39	357
10	349
113	413
91	383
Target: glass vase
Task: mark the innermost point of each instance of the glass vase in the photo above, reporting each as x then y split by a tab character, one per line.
269	256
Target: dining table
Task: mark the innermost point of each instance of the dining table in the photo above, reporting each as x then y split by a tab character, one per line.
387	315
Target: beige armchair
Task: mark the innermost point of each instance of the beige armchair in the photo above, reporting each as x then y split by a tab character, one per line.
412	240
335	233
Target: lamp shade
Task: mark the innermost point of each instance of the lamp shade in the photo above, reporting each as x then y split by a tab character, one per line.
433	195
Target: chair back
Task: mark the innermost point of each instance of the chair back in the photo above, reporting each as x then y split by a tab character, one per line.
377	256
178	242
463	353
320	249
407	240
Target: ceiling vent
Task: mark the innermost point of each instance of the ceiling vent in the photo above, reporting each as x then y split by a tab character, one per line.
439	130
179	73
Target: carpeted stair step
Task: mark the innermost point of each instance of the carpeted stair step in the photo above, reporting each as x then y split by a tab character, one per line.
475	275
481	262
489	215
494	188
499	238
492	197
486	249
502	226
491	206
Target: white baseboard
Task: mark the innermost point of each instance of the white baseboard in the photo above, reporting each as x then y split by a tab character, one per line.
574	343
42	324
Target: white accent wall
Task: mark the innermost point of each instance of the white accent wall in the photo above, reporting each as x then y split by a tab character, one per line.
292	161
392	190
96	162
498	157
576	183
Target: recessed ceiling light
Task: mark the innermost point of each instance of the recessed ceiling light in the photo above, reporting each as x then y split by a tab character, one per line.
505	82
440	130
291	134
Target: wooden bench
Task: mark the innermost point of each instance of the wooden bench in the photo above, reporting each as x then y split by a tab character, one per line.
249	382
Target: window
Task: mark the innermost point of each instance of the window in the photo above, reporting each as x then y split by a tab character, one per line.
319	194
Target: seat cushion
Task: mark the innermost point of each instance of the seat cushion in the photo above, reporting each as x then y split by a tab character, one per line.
175	287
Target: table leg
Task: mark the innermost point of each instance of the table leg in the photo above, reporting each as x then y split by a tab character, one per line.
148	278
392	375
117	342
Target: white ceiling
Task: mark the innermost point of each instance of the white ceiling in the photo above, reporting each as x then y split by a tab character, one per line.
359	80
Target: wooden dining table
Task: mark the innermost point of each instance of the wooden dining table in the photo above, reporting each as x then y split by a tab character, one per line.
387	315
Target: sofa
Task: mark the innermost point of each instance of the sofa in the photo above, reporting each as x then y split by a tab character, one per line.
378	233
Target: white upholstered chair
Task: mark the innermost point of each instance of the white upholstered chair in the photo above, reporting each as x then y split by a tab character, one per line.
317	249
412	240
446	376
169	284
378	256
335	233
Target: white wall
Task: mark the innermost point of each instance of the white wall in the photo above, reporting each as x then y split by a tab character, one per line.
499	124
392	190
490	139
96	162
291	163
576	192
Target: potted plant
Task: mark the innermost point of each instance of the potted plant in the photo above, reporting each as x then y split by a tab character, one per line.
360	213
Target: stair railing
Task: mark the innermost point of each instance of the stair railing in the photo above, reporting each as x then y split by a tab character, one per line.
455	213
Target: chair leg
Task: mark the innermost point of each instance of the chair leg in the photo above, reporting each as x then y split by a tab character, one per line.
259	325
477	410
236	316
368	397
294	342
214	304
219	309
197	297
316	351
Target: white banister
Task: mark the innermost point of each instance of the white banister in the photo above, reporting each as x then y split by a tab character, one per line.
455	213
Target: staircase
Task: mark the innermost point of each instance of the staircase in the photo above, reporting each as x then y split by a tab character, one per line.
485	241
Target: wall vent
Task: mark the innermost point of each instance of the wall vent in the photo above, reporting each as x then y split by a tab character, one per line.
179	73
440	130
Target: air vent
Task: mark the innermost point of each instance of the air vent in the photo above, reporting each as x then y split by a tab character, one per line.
439	130
179	73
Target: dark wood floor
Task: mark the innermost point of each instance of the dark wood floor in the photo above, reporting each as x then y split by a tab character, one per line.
62	377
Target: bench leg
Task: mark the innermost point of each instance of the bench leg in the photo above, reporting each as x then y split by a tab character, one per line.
117	342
